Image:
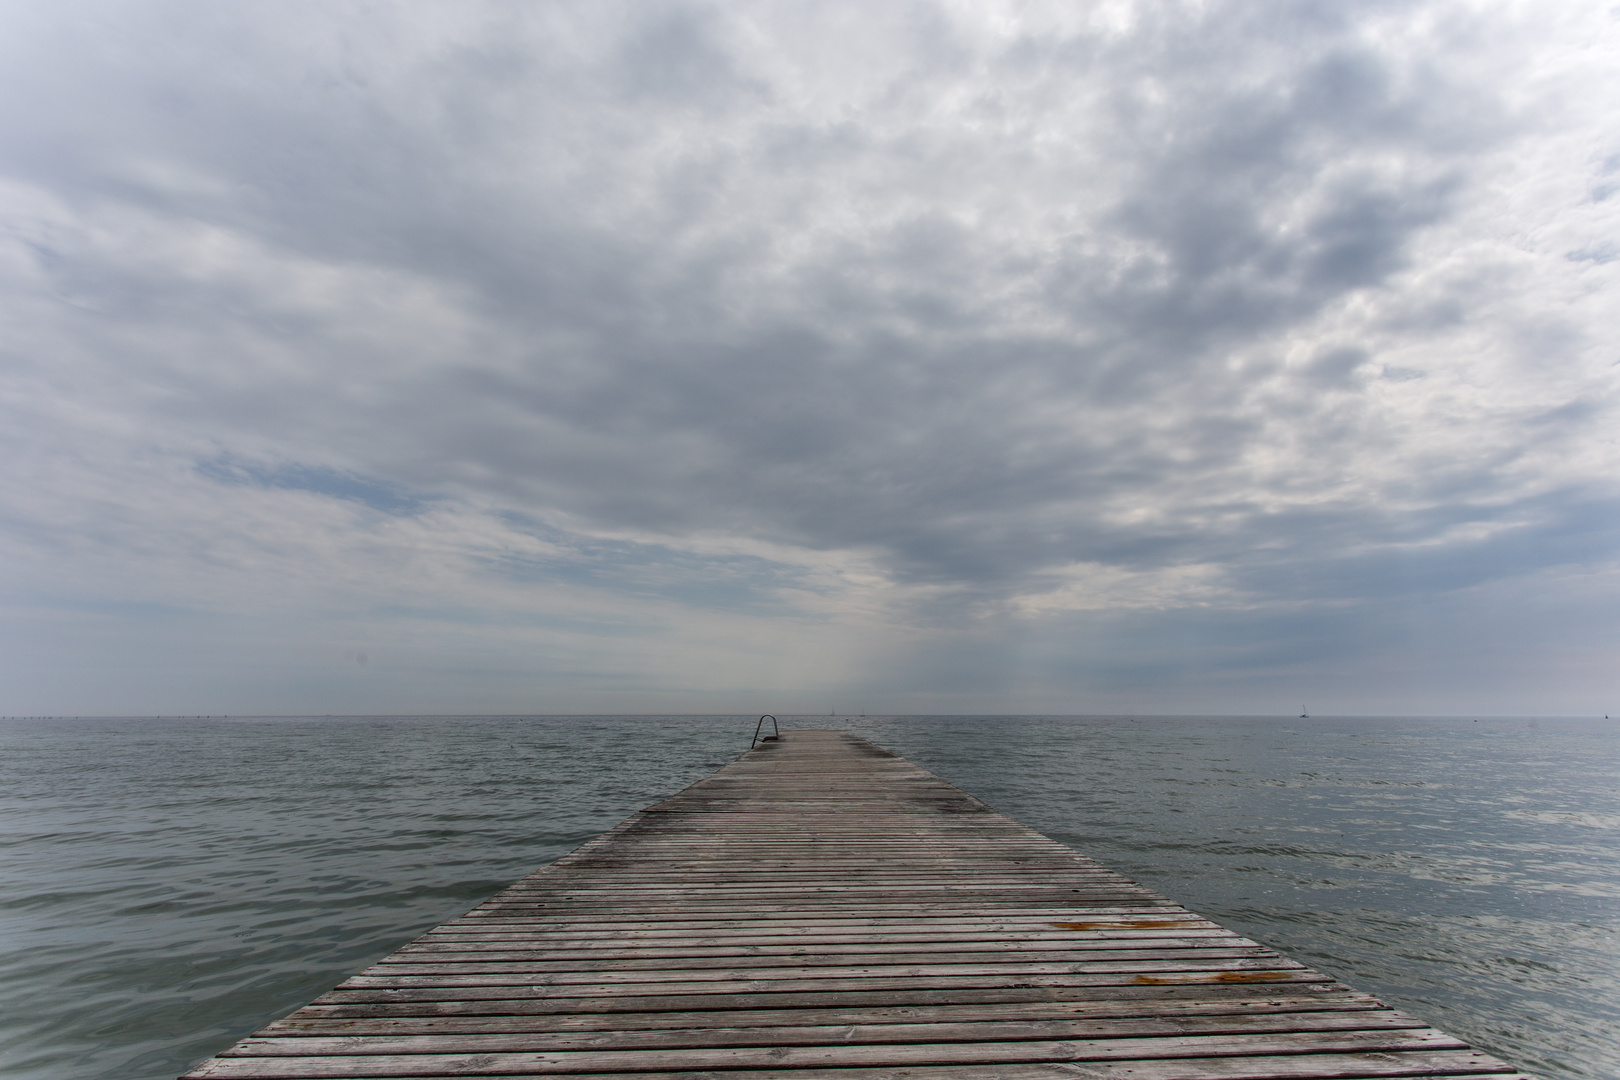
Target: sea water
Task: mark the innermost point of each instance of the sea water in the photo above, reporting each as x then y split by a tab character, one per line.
169	885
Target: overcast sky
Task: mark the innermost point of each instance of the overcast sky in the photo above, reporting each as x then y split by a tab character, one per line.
905	357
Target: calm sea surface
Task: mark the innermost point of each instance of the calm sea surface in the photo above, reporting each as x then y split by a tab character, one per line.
167	886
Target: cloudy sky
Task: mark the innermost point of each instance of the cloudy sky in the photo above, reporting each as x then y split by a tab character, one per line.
1214	356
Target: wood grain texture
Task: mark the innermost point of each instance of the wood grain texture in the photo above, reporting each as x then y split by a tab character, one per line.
821	908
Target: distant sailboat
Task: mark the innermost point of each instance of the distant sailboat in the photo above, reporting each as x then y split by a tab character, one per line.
1304	713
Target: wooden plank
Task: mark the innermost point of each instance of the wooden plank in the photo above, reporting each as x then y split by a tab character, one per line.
540	931
732	980
517	947
396	1038
737	959
486	1001
1443	1063
505	986
822	908
855	1055
989	917
361	1020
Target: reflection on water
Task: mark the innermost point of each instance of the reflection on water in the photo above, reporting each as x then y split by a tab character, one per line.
171	885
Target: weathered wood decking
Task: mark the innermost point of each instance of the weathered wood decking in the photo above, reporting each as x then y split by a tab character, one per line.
820	909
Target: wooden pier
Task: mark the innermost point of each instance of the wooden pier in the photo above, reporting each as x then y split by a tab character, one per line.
823	909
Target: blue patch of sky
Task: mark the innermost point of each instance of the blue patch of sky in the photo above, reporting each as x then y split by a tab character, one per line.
598	625
380	495
727	582
1569	527
145	610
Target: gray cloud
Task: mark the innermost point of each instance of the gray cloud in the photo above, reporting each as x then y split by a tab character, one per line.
836	318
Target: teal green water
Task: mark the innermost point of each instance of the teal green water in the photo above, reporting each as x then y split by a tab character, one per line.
167	886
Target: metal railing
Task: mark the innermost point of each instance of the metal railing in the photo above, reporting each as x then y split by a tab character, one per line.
769	738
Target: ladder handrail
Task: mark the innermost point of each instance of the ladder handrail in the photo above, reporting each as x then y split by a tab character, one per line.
777	727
